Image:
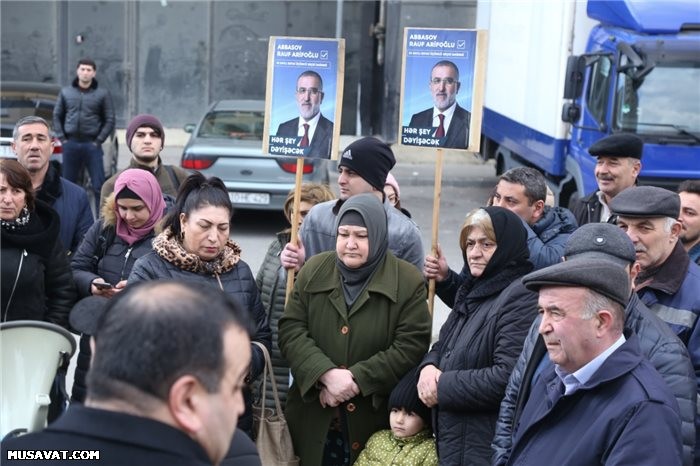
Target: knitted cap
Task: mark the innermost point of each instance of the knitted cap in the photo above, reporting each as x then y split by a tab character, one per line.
139	121
405	395
371	159
391	181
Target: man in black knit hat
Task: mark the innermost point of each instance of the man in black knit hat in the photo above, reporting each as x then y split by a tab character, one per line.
362	168
145	138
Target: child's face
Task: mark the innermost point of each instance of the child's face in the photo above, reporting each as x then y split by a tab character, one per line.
405	424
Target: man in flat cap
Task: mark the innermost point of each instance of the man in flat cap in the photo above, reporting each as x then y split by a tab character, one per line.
362	168
601	402
668	281
165	385
617	168
658	343
145	138
689	192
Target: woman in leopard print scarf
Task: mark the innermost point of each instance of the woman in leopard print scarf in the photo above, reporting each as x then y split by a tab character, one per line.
194	246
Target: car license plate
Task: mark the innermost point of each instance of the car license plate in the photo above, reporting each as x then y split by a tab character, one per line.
249	198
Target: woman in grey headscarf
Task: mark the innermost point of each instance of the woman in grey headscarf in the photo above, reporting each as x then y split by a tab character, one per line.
356	322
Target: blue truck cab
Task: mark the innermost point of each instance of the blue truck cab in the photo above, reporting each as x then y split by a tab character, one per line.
639	72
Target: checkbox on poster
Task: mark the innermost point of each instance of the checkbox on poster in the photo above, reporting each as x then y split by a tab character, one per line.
461	44
324	54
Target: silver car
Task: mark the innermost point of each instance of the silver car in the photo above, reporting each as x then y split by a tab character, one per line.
227	143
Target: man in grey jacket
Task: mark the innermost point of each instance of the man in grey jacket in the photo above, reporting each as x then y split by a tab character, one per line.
83	119
668	355
362	168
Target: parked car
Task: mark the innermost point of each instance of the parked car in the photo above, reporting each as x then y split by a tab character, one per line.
227	143
20	99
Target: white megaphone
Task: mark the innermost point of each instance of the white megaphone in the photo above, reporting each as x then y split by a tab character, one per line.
31	352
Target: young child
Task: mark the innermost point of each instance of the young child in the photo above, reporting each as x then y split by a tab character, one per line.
410	440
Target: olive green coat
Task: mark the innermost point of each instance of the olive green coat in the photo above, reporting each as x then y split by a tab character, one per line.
383	336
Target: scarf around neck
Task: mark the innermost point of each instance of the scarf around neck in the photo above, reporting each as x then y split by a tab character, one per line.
171	250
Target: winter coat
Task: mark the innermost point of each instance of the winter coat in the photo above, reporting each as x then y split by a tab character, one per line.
317	233
36	280
384	448
70	203
237	283
587	209
379	339
272	283
101	254
658	344
84	115
672	294
625	414
547	237
169	177
476	351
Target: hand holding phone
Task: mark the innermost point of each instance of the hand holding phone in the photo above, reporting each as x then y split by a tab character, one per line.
103	286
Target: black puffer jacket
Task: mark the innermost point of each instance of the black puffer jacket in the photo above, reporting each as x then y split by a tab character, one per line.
84	115
35	259
272	283
101	254
238	283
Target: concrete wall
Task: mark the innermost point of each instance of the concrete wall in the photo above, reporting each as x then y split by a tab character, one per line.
172	57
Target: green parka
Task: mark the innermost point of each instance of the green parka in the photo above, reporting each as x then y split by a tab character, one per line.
384	334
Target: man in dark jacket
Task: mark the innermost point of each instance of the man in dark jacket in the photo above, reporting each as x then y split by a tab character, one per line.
617	168
522	190
83	119
668	282
601	402
145	138
603	241
175	402
33	147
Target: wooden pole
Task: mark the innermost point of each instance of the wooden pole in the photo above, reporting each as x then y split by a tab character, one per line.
436	221
295	221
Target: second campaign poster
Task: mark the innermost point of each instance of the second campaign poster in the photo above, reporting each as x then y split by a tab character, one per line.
442	88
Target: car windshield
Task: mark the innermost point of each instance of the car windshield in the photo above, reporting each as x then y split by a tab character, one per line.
666	102
235	124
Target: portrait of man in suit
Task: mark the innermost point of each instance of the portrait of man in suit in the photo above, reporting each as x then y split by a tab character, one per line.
315	130
449	121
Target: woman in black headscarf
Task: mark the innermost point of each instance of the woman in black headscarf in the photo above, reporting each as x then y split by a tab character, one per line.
356	322
464	375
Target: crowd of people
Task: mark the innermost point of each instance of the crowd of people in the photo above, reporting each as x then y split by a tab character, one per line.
572	337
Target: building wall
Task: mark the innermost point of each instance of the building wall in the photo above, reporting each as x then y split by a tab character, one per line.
173	57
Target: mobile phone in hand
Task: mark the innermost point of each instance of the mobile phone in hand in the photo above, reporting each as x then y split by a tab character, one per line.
103	286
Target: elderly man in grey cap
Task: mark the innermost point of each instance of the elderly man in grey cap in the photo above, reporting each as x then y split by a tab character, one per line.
668	282
602	402
658	343
617	167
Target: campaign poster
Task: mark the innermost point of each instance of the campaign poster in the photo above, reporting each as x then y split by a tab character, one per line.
304	97
442	87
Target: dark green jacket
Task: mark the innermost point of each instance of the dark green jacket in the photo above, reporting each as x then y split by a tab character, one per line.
382	337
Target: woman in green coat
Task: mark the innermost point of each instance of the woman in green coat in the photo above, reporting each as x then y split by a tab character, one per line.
356	322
